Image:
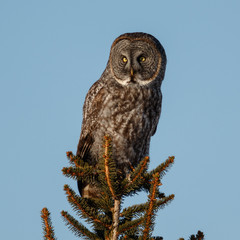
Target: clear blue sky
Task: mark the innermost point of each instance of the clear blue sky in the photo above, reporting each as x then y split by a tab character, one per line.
51	52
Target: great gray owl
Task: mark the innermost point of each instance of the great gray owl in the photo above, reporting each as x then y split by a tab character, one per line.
125	104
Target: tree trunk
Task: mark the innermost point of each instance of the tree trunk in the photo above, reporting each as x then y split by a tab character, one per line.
116	212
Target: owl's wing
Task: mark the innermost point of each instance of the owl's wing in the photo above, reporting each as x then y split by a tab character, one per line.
84	146
91	113
157	111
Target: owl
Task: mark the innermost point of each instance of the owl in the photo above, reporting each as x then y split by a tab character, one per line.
125	104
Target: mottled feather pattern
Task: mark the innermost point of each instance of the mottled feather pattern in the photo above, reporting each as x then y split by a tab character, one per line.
125	103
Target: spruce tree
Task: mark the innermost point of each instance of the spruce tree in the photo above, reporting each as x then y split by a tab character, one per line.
105	214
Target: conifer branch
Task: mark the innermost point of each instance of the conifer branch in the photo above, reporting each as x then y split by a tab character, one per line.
47	225
133	211
162	168
75	160
142	168
77	173
72	159
76	227
72	173
129	225
139	209
69	155
137	177
150	211
85	210
199	236
164	201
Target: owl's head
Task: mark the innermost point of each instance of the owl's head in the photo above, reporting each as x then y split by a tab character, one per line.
137	58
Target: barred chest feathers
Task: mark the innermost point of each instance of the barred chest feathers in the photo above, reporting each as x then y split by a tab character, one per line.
129	117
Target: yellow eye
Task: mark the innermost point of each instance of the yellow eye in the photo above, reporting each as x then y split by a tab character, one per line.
124	59
142	59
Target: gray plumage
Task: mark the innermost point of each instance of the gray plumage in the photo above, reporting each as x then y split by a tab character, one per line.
125	103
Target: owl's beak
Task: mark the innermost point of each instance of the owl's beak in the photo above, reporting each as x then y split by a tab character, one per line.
132	75
131	72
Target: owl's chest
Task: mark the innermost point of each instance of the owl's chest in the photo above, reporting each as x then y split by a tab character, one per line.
128	111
